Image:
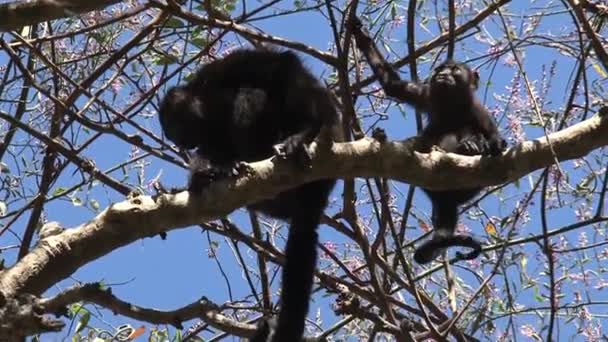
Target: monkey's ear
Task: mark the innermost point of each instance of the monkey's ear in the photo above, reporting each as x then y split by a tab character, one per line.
475	79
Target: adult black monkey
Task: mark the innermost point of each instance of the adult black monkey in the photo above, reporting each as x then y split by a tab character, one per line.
457	122
246	107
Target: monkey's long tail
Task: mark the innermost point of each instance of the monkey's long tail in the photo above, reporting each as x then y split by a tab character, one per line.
445	218
301	253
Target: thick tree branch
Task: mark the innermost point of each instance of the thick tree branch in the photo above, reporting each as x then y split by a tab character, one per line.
203	309
56	257
17	14
21	315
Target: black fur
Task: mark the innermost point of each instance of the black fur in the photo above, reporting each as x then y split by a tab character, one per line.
248	106
457	122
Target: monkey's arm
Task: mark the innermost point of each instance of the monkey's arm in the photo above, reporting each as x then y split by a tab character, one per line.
495	143
312	115
413	93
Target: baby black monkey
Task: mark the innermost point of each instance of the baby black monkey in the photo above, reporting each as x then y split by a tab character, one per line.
249	106
457	122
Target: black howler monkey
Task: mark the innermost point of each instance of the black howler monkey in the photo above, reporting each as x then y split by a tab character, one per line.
457	122
249	106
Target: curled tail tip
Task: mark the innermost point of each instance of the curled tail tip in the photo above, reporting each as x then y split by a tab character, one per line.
430	249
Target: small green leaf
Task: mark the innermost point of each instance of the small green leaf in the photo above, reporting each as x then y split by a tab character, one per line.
164	60
94	204
599	70
59	191
200	42
537	295
174	23
83	322
76	307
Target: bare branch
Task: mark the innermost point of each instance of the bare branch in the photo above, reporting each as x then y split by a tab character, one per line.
203	309
596	43
17	14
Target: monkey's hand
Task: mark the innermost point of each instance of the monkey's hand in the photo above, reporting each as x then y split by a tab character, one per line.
294	147
202	178
473	145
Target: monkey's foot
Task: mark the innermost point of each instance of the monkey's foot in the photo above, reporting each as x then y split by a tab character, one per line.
294	148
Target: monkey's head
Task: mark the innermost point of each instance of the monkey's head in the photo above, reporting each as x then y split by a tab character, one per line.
181	117
453	79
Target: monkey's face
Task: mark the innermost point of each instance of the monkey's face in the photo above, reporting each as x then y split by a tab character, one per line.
451	78
181	117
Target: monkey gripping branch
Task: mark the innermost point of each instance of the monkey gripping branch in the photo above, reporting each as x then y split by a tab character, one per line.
55	257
